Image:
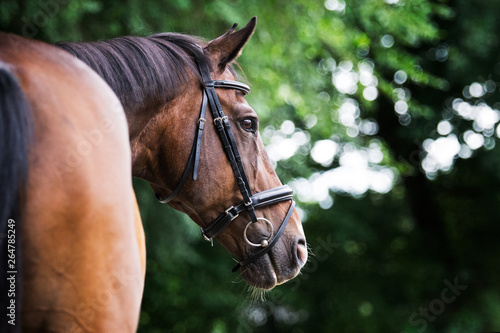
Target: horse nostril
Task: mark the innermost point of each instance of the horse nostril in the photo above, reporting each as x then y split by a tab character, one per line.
301	249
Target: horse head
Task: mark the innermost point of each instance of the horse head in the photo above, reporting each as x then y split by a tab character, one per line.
196	140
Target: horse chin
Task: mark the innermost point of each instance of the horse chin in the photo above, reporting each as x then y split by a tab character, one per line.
267	272
261	274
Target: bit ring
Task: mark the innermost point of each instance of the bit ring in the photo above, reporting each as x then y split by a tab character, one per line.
265	242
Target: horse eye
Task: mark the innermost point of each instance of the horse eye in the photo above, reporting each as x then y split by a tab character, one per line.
248	125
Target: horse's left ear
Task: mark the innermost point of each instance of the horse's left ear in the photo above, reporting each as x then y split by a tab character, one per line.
227	47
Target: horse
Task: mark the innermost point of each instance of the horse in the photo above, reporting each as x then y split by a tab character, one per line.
78	120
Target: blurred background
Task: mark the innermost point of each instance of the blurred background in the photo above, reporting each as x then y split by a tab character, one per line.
382	115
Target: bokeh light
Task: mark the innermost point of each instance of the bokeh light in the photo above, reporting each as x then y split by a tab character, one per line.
324	151
440	153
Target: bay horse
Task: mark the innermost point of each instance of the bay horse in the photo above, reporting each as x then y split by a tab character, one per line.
77	121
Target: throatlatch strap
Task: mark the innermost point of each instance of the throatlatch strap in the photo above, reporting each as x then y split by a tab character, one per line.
194	156
201	126
183	178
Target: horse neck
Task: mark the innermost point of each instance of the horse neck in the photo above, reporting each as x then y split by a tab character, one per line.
146	73
141	102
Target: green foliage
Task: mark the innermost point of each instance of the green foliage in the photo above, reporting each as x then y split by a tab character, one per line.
381	255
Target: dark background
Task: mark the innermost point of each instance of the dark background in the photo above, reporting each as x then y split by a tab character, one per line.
399	204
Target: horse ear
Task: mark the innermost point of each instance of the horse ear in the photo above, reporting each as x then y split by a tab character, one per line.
227	47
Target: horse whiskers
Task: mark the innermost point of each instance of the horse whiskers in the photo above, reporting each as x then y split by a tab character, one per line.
238	279
309	250
257	294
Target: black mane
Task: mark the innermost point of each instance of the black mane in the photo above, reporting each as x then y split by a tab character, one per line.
142	69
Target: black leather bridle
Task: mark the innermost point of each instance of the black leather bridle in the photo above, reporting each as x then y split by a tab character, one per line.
250	201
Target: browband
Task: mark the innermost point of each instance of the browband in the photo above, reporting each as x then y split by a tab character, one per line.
226	84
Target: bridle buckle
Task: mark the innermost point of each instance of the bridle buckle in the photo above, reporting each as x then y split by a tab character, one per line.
219	119
211	240
227	213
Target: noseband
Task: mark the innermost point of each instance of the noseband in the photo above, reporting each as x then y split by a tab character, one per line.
250	201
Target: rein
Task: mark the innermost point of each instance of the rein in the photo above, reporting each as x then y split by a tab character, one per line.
250	201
